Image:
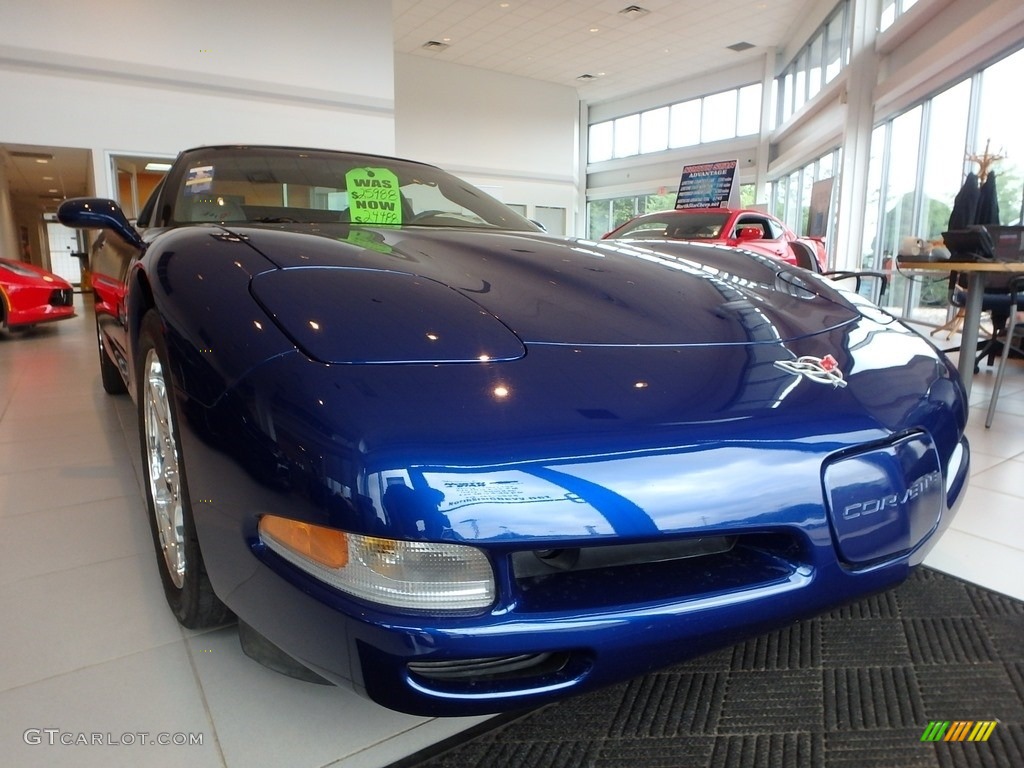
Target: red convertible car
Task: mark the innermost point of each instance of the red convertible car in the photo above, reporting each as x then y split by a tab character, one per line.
30	295
752	230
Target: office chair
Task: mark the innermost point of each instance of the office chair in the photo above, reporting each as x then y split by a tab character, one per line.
999	296
1016	296
976	244
805	256
874	283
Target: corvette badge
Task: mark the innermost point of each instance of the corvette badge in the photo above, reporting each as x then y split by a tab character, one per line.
822	370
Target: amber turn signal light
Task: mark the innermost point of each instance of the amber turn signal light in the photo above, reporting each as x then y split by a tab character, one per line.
326	546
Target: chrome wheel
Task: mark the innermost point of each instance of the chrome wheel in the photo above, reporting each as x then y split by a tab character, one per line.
163	472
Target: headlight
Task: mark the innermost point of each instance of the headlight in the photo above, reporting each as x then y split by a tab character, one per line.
416	575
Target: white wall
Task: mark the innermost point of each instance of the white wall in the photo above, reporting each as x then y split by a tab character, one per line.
339	46
512	135
137	76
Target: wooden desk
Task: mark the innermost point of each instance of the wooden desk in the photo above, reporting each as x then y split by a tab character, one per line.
976	272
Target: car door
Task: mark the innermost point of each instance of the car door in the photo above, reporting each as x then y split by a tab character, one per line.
110	260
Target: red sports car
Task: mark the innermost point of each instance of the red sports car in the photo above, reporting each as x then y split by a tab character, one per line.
30	295
748	229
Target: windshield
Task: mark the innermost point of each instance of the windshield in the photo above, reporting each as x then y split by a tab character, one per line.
671	225
268	184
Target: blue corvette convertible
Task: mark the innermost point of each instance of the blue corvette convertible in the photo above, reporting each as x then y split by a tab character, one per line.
427	451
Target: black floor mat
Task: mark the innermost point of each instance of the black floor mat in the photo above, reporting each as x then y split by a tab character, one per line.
854	688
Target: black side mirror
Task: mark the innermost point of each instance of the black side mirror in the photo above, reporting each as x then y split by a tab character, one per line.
99	213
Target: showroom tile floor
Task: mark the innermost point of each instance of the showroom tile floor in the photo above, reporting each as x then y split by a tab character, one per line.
91	653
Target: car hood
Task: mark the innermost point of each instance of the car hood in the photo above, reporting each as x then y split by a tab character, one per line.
29	274
548	290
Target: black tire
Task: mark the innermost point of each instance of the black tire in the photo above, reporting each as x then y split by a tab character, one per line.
182	571
113	384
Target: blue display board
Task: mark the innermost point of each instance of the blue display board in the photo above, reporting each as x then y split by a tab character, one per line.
709	185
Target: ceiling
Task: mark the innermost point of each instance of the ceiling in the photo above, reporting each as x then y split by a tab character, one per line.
603	48
623	46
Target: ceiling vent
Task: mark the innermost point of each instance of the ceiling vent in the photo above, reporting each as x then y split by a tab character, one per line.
434	45
633	12
744	46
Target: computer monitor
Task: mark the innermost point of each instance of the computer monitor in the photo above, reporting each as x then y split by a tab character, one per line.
1007	242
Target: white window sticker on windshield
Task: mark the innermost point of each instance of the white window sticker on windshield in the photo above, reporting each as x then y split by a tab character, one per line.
373	196
199	179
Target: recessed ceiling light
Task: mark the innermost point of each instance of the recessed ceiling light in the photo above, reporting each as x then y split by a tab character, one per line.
741	46
158	166
595	29
434	45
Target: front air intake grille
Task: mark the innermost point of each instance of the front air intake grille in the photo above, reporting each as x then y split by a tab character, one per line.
543	562
62	297
611	577
491	668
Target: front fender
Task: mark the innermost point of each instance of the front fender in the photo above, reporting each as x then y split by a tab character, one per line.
198	280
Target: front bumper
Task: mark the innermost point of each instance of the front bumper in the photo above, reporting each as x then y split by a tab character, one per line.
573	632
41	306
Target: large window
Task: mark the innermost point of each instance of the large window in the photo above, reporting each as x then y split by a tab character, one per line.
715	117
684	128
654	130
943	125
919	161
901	193
892	10
946	120
605	215
792	195
998	128
818	63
